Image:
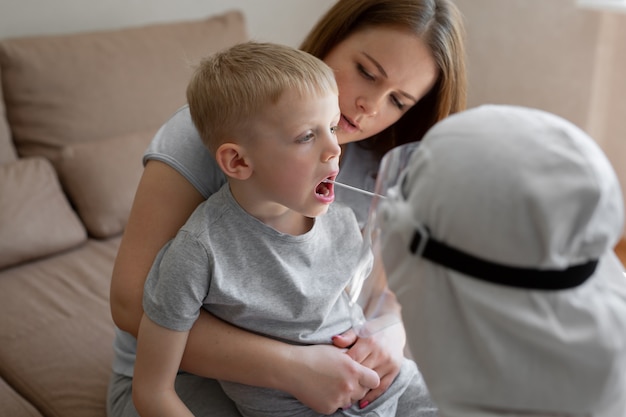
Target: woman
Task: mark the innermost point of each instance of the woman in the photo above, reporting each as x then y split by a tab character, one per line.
400	68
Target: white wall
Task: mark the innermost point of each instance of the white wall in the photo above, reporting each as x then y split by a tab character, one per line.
284	21
555	56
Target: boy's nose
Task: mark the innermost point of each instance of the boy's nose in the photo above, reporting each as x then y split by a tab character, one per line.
333	150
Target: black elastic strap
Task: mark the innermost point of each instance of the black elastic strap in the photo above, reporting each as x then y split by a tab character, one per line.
529	278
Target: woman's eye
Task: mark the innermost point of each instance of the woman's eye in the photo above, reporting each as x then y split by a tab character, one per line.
364	72
367	75
399	104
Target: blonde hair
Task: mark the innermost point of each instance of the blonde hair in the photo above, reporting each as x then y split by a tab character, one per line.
437	22
229	88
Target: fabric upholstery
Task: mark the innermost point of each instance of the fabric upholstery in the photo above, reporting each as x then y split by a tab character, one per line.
35	217
7	151
74	88
13	404
56	339
100	179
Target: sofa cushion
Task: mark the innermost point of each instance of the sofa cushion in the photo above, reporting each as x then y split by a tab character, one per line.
35	217
13	404
101	177
66	89
56	330
7	151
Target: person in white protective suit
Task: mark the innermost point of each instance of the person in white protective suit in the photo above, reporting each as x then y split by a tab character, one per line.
498	242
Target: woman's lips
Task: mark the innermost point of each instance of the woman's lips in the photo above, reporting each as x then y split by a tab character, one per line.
347	125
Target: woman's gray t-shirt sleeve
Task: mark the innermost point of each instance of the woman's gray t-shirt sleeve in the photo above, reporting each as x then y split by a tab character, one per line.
178	144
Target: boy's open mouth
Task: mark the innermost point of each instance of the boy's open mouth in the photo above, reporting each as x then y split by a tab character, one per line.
325	188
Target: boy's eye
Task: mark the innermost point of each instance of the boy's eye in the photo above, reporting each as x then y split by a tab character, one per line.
334	130
306	138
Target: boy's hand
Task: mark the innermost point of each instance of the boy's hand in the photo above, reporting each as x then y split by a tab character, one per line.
382	351
325	378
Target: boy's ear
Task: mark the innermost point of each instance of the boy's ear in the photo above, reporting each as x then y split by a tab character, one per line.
233	161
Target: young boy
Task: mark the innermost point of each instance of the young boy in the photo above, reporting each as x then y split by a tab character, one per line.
259	253
499	245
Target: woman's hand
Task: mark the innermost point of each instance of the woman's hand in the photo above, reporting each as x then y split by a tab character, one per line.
382	351
326	378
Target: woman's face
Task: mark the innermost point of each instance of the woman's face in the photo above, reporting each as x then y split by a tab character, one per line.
381	73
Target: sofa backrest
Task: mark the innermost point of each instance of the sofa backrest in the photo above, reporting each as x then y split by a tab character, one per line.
87	87
85	106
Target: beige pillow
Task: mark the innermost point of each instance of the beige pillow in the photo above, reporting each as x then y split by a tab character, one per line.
36	219
101	177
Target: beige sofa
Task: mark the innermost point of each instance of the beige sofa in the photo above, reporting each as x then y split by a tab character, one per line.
77	111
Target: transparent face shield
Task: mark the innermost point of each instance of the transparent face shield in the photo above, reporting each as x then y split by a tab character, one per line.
368	292
391	232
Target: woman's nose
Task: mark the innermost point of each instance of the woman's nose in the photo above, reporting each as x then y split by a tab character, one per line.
369	105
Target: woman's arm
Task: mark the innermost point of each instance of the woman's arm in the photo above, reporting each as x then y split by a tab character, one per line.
322	377
164	200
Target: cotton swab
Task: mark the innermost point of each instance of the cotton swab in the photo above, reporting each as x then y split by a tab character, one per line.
349	187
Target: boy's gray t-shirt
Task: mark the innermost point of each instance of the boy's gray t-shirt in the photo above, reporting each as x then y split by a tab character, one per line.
291	288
